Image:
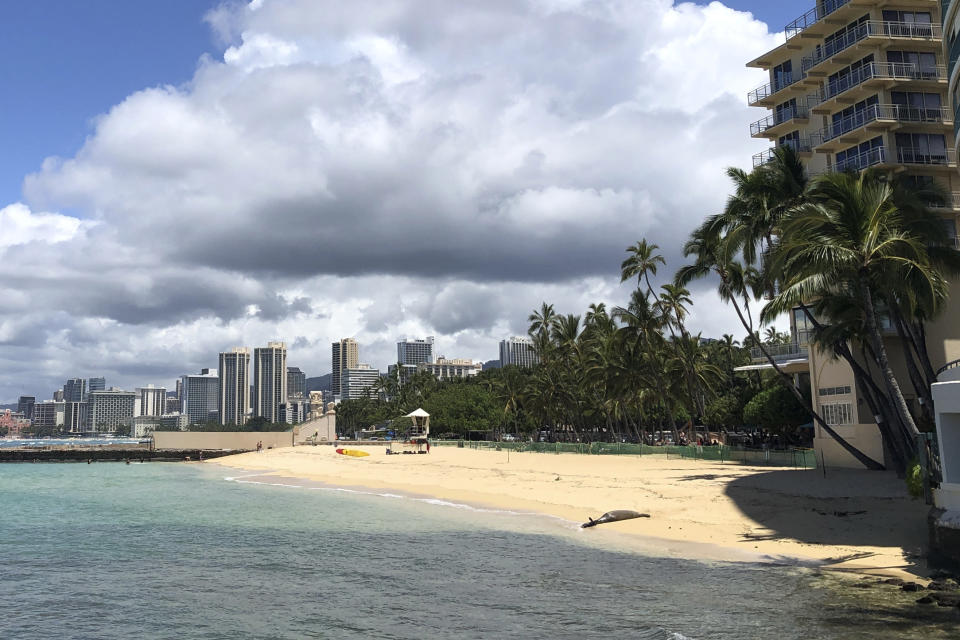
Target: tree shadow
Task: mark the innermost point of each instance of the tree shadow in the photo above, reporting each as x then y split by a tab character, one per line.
848	507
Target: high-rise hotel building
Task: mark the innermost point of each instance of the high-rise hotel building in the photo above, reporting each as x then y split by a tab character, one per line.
863	83
234	399
951	52
345	354
269	380
859	84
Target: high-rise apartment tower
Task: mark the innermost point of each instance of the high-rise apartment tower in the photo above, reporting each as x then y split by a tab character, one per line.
269	380
234	399
345	355
518	352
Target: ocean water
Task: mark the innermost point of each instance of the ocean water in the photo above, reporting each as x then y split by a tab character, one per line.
19	443
179	551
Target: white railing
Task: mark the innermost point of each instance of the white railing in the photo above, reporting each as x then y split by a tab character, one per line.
862	160
874	112
784	115
813	16
918	155
781	351
872	28
764	157
881	71
779	84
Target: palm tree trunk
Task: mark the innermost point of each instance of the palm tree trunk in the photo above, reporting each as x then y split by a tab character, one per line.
860	456
916	378
880	409
893	387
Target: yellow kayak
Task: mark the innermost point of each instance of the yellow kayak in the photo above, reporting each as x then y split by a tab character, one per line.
353	452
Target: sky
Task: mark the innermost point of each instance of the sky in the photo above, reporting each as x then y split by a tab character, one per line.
182	177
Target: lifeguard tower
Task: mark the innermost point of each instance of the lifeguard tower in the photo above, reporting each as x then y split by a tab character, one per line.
419	430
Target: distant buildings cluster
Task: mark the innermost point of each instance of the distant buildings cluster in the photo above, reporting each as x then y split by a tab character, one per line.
235	392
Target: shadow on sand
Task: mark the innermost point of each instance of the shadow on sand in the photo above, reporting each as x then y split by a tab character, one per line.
849	508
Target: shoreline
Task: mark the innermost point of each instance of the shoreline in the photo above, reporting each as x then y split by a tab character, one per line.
854	522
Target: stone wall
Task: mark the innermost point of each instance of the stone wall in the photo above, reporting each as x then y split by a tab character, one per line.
221	439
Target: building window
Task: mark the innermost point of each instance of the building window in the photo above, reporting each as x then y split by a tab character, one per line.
837	414
833	391
861	156
922	148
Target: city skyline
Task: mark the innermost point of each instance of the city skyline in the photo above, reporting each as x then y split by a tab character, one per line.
285	240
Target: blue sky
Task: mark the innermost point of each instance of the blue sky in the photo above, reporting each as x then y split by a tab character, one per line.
776	13
63	62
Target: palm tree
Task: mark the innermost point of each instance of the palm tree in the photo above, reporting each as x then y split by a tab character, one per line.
674	302
738	285
852	237
641	263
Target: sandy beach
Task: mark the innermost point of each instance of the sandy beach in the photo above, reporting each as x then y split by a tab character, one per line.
851	521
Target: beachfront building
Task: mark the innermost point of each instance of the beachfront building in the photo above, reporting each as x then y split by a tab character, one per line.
25	406
145	425
14	422
75	390
858	84
447	368
296	383
413	352
48	414
345	354
358	382
198	395
150	401
74	417
269	380
410	353
108	411
518	352
233	400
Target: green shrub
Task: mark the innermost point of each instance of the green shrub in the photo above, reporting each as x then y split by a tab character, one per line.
915	479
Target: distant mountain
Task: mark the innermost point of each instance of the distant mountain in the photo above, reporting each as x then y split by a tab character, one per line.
321	383
12	407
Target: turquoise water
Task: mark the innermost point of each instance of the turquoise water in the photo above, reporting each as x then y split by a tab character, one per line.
176	551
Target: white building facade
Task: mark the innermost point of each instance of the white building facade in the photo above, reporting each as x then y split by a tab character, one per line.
518	352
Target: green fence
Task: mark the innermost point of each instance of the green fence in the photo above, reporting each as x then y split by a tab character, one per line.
797	458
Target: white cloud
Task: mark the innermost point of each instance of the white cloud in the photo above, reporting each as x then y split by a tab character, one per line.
376	169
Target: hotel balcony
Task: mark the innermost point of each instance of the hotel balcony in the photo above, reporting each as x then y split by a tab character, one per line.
780	352
870	78
764	157
769	94
812	24
945	160
792	358
872	158
832	57
786	120
915	156
865	124
950	204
